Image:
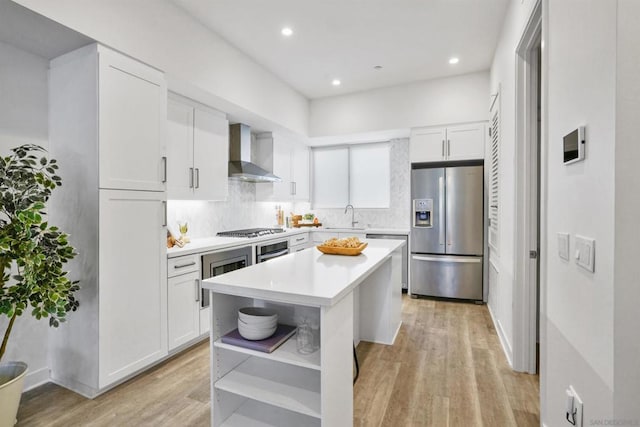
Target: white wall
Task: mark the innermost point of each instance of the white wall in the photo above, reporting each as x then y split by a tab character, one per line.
579	304
23	119
432	102
627	181
161	34
501	278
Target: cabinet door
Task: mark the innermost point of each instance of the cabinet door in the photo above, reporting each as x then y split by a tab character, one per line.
465	142
300	173
183	309
132	123
132	282
282	191
179	151
210	156
427	145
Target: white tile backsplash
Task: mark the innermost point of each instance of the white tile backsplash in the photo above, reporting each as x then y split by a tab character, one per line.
240	210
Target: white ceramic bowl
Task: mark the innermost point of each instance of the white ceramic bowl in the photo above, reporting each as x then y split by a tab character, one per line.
259	315
255	334
264	325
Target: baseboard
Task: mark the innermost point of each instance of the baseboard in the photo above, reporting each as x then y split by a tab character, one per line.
36	378
77	387
506	347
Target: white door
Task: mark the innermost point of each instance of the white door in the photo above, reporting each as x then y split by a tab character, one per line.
300	173
210	156
132	123
132	282
180	174
466	142
183	309
427	145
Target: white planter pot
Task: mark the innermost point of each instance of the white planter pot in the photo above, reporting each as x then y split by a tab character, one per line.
11	384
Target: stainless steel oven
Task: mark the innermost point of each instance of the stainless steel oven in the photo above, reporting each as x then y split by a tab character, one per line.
269	250
222	262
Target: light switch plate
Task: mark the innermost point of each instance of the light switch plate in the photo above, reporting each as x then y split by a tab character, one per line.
586	253
563	246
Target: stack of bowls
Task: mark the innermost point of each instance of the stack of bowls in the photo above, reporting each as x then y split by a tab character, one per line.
257	323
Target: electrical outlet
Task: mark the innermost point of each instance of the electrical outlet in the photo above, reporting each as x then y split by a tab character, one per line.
574	408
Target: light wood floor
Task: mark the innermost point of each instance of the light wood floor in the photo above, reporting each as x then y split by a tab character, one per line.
446	369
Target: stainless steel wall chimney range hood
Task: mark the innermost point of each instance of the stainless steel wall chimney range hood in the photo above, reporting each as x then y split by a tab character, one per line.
240	166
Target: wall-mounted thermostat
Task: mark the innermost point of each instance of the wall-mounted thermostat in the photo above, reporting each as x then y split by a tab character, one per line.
573	146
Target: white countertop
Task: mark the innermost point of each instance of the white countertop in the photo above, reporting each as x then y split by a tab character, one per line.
211	244
308	277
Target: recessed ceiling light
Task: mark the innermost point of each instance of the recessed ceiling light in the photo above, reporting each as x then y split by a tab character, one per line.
377	67
286	31
336	82
454	60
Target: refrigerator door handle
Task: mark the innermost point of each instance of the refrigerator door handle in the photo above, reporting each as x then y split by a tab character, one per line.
441	209
458	259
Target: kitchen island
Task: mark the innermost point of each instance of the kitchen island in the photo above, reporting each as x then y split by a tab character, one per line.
349	298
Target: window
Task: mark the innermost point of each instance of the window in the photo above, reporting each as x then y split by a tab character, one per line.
357	174
494	174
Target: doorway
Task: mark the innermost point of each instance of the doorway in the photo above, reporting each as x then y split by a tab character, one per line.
529	200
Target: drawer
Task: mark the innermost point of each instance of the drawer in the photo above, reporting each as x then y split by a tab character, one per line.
182	265
299	239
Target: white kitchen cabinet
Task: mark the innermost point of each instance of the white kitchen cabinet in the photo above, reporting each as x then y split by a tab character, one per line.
300	242
197	152
183	300
119	234
462	142
133	318
131	120
288	160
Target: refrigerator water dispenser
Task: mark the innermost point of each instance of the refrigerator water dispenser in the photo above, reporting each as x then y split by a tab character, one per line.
422	212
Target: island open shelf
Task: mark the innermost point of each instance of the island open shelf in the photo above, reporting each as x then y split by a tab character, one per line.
256	414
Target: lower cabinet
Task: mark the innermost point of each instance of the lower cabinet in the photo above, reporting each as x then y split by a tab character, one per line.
187	321
183	312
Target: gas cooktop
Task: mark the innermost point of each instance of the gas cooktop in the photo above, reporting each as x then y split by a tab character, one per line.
250	232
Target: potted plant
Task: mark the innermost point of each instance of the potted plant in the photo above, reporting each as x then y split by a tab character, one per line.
32	258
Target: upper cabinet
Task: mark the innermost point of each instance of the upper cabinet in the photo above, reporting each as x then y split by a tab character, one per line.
463	142
197	151
289	160
131	123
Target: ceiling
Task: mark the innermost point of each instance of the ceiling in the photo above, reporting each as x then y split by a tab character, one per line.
36	34
411	39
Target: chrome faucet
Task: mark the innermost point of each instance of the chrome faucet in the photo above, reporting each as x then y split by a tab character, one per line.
353	213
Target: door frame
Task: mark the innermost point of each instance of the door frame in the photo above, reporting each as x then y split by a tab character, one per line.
525	286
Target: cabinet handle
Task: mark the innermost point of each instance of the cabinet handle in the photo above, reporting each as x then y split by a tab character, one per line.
185	265
197	177
190	177
448	148
164	214
164	169
443	148
197	289
295	188
300	239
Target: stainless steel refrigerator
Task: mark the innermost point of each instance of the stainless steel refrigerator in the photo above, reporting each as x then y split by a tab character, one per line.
447	232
